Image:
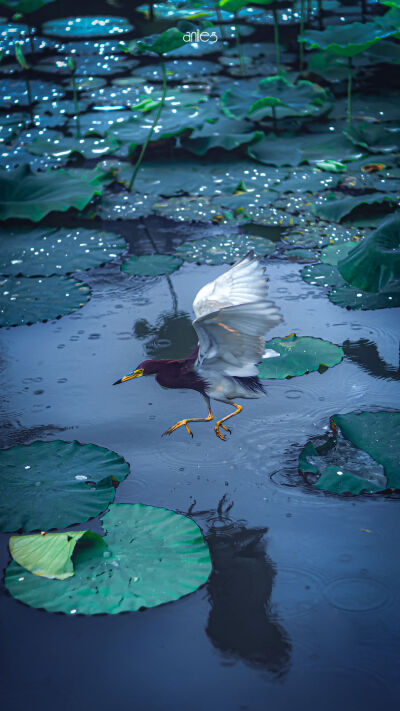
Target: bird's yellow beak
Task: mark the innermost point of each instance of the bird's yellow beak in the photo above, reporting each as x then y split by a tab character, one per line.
135	374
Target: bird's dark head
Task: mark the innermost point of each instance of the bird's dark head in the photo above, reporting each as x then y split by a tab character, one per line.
148	367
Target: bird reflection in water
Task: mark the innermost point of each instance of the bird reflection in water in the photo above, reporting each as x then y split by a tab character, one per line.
241	623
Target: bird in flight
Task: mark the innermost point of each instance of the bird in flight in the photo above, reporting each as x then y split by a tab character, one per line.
232	317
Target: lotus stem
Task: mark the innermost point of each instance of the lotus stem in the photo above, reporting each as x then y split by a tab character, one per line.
302	18
151	11
239	47
275	124
349	83
276	40
320	15
30	34
76	105
154	124
28	89
220	21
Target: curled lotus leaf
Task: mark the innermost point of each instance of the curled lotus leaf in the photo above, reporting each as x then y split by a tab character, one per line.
25	300
375	139
151	265
346	40
337	210
56	484
31	196
152	556
297	356
49	555
374	264
296	150
360	454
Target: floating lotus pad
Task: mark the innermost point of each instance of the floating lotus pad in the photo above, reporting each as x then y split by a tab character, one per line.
48	251
295	150
57	146
49	554
25	300
336	210
298	356
153	556
31	196
345	40
83	27
56	484
224	250
151	265
362	454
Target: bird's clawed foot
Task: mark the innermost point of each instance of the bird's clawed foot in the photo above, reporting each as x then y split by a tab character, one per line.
218	433
174	427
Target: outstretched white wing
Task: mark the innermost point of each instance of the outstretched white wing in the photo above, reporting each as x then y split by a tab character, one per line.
232	318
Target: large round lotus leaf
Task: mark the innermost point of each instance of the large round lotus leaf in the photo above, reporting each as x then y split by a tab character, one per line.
295	150
322	275
151	265
25	300
374	138
334	252
374	265
345	40
56	484
47	251
276	94
153	556
298	356
25	6
49	554
32	196
199	143
224	250
336	210
86	27
64	147
362	455
351	297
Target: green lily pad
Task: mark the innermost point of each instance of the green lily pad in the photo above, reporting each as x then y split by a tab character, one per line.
362	454
345	40
25	300
276	95
221	134
56	484
375	139
48	251
350	297
82	27
25	6
49	554
333	253
224	250
153	556
65	146
322	275
298	356
336	210
30	196
151	265
386	52
374	264
295	150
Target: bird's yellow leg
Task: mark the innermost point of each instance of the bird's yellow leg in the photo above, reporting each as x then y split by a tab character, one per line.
181	423
219	424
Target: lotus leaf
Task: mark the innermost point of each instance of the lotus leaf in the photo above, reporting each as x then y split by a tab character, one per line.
55	484
151	265
153	556
25	300
278	96
25	6
26	195
350	297
47	251
335	252
167	41
49	554
375	139
298	356
374	264
346	40
65	147
336	210
295	150
362	454
224	250
83	27
222	134
386	51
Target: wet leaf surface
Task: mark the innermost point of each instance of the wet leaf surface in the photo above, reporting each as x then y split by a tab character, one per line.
224	250
25	300
153	556
55	484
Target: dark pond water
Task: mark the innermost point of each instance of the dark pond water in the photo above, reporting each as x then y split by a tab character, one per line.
301	609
